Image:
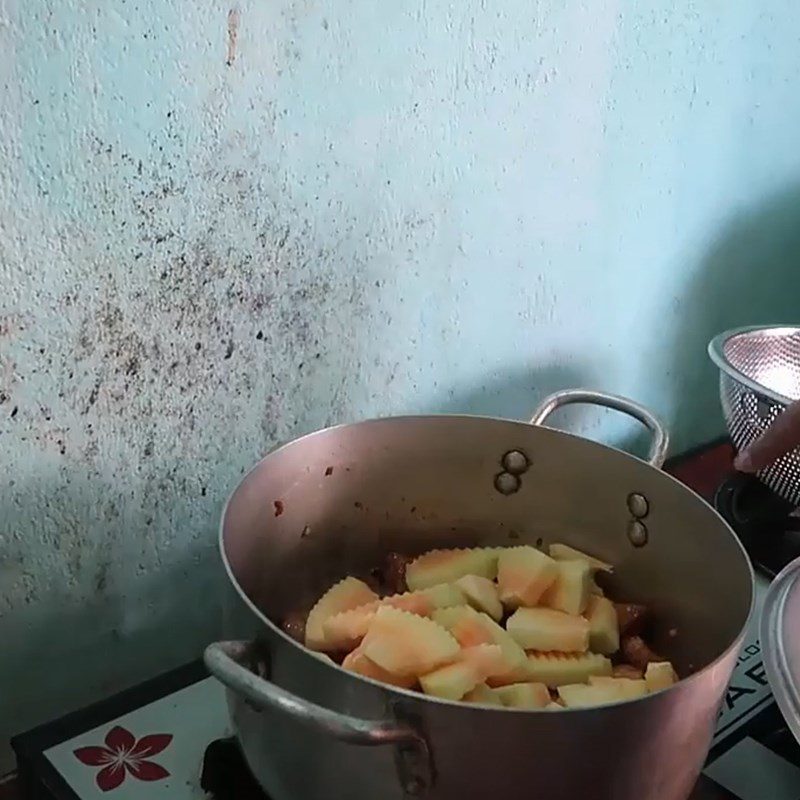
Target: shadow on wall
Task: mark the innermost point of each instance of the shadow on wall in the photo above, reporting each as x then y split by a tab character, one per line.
513	394
516	395
750	276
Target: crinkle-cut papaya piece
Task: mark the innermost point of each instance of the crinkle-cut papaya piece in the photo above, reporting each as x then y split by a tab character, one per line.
346	630
444	595
548	629
465	624
406	644
425	601
572	588
524	695
563	552
450	682
482	595
359	663
559	669
660	675
447	566
342	596
603	625
623	688
610	690
523	575
519	674
472	628
581	695
487	659
413	602
482	695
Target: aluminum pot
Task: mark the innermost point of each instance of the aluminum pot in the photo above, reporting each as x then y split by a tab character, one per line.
337	501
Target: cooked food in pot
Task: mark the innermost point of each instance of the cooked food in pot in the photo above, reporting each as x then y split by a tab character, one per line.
512	627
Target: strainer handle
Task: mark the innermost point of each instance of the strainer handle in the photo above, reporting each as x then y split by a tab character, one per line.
660	441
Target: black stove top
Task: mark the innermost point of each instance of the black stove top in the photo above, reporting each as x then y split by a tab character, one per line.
226	776
767	526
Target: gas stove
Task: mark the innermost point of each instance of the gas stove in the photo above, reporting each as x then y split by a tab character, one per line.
768	526
181	747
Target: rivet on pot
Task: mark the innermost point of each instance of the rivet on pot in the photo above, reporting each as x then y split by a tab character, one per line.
515	462
506	483
637	533
638	505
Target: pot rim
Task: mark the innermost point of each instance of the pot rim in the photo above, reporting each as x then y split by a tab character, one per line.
417	696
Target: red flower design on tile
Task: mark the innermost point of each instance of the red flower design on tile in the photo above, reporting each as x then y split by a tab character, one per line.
124	753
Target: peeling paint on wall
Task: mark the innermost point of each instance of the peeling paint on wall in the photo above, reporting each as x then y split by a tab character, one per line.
223	226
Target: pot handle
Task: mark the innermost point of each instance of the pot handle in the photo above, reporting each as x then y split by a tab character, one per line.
223	660
660	441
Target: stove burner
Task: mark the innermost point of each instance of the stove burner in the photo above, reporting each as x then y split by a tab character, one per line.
226	775
766	524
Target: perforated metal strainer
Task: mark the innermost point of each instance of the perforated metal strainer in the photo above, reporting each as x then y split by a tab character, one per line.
759	378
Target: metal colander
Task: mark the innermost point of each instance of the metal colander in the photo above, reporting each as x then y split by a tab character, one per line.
759	378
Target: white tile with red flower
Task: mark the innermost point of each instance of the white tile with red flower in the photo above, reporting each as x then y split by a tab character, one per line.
155	751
